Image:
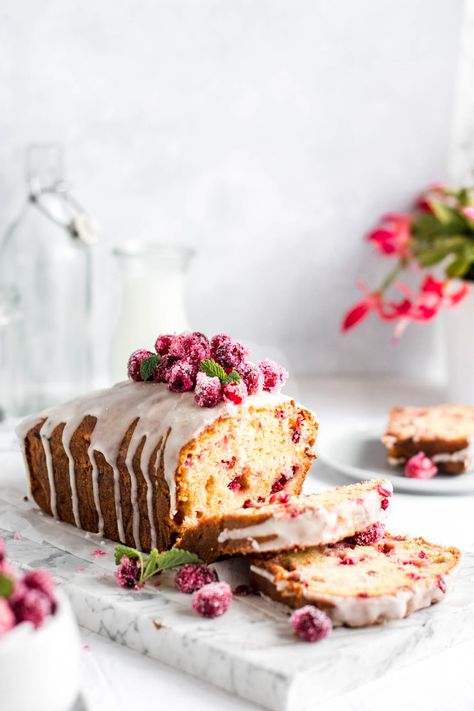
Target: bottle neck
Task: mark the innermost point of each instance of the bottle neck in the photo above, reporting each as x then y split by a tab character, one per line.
44	168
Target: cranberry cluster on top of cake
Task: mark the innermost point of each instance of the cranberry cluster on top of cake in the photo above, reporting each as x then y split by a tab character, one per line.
216	369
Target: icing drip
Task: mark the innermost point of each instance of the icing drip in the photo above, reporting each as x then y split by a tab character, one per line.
315	526
166	417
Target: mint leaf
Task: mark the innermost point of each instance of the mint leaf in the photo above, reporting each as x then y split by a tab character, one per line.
174	557
151	565
213	369
232	377
148	365
6	585
131	553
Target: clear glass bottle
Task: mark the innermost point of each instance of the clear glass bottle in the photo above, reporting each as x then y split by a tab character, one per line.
46	267
152	298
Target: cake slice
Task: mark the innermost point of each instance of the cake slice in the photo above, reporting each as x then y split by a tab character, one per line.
290	521
445	433
359	585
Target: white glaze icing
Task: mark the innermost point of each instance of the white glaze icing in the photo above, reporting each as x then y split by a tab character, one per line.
170	418
360	612
318	525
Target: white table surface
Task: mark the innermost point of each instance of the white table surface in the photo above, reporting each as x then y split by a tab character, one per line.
117	679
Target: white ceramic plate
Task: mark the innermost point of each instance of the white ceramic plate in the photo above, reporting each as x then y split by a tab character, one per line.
357	452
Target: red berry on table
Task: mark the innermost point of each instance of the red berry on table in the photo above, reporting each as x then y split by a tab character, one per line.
193	576
420	467
30	605
311	624
212	600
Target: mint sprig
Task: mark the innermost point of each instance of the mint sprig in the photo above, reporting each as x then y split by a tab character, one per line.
148	365
6	585
155	562
215	370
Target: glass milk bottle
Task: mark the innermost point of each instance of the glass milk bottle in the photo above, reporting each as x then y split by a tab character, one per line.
153	289
45	262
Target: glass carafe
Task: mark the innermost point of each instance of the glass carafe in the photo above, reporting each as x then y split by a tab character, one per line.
152	298
45	263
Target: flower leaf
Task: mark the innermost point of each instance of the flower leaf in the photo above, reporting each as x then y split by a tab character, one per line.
213	369
131	553
6	585
148	365
445	214
458	267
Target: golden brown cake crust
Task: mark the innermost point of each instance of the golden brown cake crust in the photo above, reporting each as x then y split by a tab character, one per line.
443	432
139	485
359	585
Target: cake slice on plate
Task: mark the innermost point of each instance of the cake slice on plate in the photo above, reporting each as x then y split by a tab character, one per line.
444	433
359	585
290	521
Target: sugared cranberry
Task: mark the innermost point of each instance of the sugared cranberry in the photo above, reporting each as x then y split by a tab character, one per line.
7	618
40	580
370	535
163	343
282	497
235	392
161	372
134	362
181	376
128	573
177	346
208	391
252	377
420	467
311	624
383	491
227	352
30	605
274	375
193	576
212	600
197	347
385	503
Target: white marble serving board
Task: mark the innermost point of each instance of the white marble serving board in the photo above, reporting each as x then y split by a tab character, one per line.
250	651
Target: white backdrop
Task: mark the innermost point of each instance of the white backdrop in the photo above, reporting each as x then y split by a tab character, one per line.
268	134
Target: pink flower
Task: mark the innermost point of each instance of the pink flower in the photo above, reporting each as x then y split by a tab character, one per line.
468	212
436	191
392	236
362	309
420	467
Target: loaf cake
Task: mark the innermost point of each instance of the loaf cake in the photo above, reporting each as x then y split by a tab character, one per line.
359	585
142	461
444	433
290	521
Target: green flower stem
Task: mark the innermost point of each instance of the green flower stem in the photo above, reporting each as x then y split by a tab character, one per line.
391	277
